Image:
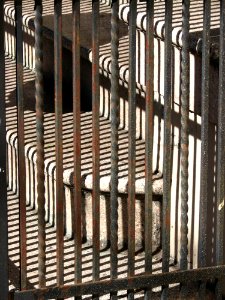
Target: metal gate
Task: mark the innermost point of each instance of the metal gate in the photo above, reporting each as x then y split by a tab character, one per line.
181	278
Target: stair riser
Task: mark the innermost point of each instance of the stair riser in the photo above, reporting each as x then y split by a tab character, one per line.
104	216
50	198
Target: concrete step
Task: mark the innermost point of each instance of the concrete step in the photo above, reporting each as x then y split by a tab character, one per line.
69	257
86	167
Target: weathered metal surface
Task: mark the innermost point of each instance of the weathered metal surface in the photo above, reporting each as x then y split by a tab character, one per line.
167	141
221	154
39	93
185	65
138	282
76	139
95	139
149	138
185	68
3	171
21	156
221	143
132	137
203	210
114	142
204	133
58	137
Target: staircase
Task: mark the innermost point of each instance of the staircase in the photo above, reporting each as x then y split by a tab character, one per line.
86	119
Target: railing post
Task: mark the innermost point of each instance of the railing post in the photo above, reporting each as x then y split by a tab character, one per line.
39	95
220	156
58	138
149	60
203	210
167	143
21	144
114	115
132	142
77	141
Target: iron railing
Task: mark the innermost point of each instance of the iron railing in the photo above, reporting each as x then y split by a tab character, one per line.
204	274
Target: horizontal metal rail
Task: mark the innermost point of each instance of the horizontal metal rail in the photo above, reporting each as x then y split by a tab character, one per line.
136	282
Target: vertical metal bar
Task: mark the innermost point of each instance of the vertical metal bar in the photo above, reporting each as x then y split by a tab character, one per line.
76	141
221	148
204	133
204	138
184	134
184	140
58	137
132	140
167	142
149	138
39	93
114	140
95	140
3	158
21	156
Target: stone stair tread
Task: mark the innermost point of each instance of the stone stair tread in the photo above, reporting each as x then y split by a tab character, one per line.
86	143
86	19
196	18
69	256
87	254
105	24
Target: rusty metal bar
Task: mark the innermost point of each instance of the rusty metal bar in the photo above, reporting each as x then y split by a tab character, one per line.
221	143
184	134
136	282
95	140
167	142
132	141
205	139
58	137
149	138
221	146
204	134
21	156
3	158
184	140
114	141
77	140
39	94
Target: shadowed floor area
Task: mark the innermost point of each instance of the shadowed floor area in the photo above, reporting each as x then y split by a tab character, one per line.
32	254
87	263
